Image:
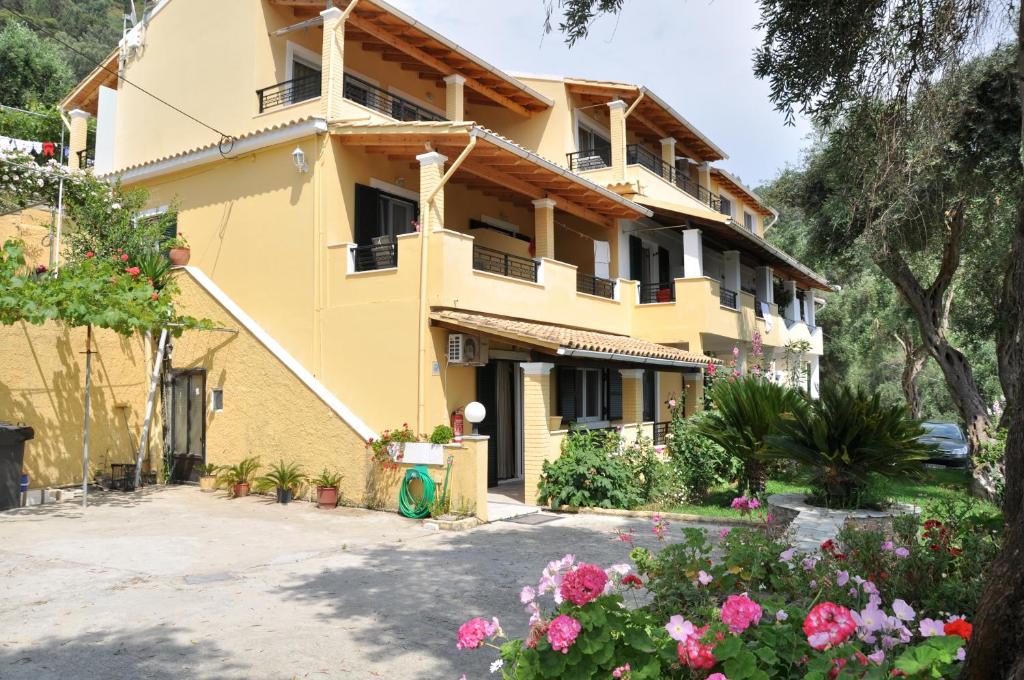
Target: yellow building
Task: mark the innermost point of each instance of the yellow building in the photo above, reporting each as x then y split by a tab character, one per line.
412	229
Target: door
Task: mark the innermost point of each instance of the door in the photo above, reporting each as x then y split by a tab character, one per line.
187	424
498	389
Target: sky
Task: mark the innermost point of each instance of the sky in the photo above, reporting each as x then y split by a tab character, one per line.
694	54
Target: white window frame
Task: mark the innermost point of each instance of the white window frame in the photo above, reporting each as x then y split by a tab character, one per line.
499	223
295	52
732	204
752	227
582	379
592	126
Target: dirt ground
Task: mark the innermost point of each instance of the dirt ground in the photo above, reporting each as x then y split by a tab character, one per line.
174	583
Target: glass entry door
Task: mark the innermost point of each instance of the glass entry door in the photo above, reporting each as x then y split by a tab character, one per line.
185	413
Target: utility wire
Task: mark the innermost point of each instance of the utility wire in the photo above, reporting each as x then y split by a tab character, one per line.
224	136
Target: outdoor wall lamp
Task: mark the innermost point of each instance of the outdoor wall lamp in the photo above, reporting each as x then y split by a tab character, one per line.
299	158
474	413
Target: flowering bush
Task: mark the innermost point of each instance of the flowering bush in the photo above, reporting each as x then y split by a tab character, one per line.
763	611
388	449
590	472
695	463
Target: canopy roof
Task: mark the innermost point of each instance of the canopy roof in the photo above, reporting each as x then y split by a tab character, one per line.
567	341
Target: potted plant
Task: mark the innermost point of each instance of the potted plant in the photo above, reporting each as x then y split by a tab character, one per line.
442	434
286	478
238	477
178	250
327	484
207	476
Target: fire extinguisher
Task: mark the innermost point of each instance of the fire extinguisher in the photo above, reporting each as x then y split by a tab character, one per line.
457	424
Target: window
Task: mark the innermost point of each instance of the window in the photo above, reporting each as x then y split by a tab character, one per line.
748	221
650	390
725	206
396	215
379	213
595	150
216	399
302	71
588	395
168	223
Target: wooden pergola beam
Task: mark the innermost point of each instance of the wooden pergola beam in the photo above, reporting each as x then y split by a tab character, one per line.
434	63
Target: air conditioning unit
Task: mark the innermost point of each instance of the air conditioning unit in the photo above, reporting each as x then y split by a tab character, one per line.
466	350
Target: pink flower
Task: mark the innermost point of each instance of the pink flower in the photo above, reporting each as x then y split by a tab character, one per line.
724	532
583	584
932	628
740	612
124	257
828	624
694	653
562	632
473	632
735	351
89	254
671	403
527	595
717	676
903	610
842	578
618	672
704	578
901	552
711	369
679	629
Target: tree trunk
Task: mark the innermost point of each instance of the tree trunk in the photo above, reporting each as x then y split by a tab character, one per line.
996	649
913	363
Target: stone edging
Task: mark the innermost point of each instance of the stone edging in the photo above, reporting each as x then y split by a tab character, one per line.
797	503
676	516
464	524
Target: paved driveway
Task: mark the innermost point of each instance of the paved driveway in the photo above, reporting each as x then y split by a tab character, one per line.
173	583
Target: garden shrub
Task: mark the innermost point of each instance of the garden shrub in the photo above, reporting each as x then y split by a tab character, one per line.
988	463
645	467
697	462
846	437
590	473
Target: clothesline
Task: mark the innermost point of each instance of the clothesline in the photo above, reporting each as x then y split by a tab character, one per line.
27	146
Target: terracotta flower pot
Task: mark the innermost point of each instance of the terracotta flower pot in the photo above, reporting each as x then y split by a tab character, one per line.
180	256
208	483
326	497
241	490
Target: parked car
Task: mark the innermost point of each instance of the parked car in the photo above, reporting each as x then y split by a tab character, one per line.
950	440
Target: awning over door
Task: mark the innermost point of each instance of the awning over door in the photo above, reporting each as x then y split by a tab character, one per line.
570	342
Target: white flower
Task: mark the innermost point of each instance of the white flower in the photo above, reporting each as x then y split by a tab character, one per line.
496	665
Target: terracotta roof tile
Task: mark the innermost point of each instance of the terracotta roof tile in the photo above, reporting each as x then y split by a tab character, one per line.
553	337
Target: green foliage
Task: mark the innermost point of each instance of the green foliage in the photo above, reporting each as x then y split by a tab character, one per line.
746	411
846	436
32	71
281	475
242	472
388	449
696	461
644	465
589	473
578	15
327	478
442	434
24	126
154	268
206	469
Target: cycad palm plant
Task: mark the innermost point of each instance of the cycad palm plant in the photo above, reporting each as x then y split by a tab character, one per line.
287	478
747	410
846	436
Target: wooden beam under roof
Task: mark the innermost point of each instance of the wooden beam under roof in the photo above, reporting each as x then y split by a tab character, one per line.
434	63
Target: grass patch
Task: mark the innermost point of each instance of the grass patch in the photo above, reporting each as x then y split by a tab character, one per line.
935	485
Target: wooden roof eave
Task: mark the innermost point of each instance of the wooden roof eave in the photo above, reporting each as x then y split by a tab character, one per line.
84	96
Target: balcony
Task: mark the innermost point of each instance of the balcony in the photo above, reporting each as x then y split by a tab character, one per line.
373	97
589	159
728	298
652	293
595	285
504	264
289	92
380	255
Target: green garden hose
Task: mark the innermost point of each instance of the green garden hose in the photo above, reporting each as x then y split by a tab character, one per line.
409	506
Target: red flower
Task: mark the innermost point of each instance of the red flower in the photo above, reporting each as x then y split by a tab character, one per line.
124	256
955	552
837	665
633	580
154	296
839	556
932	523
89	254
133	271
934	547
828	546
958	627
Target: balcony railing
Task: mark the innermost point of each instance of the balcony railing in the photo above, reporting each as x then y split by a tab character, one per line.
84	161
505	264
289	92
589	159
757	308
595	285
369	95
727	298
382	255
640	155
660	434
651	293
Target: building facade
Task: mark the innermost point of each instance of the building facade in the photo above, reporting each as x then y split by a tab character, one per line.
417	229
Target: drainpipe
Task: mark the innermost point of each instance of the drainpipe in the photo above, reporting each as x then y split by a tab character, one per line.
60	195
421	382
775	218
643	93
348	10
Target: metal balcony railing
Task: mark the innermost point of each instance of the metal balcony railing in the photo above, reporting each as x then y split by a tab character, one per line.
651	293
377	256
83	159
369	95
595	285
757	307
506	264
289	92
639	155
589	159
728	298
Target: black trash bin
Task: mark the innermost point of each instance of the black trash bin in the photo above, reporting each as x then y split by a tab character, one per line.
12	455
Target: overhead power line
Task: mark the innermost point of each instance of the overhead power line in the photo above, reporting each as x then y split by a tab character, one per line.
224	136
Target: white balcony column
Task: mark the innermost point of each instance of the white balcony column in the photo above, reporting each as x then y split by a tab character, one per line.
814	370
693	254
455	97
704	175
809	307
792	311
617	132
332	64
431	172
763	285
544	227
668	152
79	136
731	264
